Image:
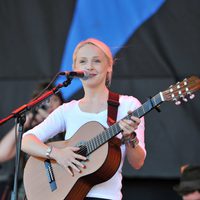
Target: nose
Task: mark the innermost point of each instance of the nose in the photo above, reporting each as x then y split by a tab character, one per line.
90	67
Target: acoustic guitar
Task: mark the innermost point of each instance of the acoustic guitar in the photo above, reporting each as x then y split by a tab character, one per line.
45	179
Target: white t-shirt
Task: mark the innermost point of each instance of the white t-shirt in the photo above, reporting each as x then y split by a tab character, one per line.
68	117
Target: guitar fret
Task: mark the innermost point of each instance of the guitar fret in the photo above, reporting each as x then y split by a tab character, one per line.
95	143
118	129
112	131
143	109
106	136
97	140
154	101
148	106
109	136
90	148
108	133
101	138
140	110
92	143
128	117
157	99
137	113
115	127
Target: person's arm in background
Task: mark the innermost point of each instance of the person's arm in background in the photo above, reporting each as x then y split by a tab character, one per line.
7	146
8	142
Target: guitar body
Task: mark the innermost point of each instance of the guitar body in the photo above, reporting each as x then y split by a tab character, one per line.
100	166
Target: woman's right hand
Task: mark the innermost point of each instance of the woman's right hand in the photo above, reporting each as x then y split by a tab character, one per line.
68	158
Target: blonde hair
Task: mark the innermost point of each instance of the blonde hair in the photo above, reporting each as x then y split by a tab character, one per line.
104	48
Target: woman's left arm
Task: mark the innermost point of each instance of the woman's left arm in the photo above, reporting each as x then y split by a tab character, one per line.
135	155
134	145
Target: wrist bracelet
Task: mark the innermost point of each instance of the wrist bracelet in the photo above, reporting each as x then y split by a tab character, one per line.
125	140
132	141
48	152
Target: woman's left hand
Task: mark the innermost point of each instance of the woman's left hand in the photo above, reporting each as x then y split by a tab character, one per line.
129	126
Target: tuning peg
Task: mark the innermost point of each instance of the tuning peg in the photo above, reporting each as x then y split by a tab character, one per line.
185	99
177	102
192	96
185	81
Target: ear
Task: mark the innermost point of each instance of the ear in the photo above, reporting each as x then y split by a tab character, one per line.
73	66
109	69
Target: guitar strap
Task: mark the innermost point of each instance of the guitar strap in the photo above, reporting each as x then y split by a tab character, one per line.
113	104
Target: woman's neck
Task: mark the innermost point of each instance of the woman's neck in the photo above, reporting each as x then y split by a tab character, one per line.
94	101
96	95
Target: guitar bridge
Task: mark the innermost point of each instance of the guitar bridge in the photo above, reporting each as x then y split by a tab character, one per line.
50	175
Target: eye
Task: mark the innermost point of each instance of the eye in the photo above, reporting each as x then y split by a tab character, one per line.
97	61
82	61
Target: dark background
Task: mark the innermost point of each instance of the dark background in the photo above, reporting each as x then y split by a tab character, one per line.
164	50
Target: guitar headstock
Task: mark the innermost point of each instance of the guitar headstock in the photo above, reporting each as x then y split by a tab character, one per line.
182	90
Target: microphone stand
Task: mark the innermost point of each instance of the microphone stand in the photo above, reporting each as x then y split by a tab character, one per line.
20	115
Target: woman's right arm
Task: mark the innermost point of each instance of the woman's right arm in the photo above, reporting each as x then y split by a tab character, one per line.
33	146
66	157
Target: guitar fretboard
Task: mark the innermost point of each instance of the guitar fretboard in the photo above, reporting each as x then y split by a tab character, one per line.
115	129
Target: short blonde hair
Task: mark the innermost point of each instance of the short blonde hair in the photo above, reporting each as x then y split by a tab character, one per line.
104	48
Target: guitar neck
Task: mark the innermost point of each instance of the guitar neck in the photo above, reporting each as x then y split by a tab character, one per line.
115	129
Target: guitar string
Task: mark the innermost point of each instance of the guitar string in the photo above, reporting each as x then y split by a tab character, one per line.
138	112
95	140
98	140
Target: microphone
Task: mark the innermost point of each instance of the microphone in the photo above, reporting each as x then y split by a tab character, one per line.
76	74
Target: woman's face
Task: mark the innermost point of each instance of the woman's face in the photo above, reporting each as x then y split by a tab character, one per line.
92	59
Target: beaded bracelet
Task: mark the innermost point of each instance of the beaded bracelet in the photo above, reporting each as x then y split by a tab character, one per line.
132	141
